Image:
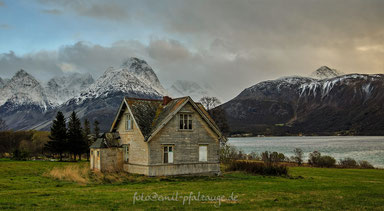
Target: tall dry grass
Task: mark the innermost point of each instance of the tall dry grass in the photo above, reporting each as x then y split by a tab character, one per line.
73	173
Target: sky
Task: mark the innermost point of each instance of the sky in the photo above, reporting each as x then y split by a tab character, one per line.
227	44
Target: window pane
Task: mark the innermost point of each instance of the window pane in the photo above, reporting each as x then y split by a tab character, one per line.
190	124
203	153
170	149
165	157
165	149
170	157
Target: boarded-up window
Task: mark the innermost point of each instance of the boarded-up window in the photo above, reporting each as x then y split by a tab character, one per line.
168	154
203	153
185	122
128	122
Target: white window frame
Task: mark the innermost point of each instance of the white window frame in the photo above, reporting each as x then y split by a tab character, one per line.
203	154
128	122
185	121
168	153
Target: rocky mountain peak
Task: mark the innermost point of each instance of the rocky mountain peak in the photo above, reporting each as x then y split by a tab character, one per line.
325	72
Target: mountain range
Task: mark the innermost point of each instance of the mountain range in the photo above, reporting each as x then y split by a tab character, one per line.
328	104
27	104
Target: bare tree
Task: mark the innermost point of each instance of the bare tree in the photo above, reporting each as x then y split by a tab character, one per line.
210	102
3	125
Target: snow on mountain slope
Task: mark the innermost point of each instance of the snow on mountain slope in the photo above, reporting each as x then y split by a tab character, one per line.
62	88
2	82
134	78
181	88
22	90
144	73
325	72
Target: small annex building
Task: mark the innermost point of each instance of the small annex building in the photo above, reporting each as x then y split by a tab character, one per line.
159	138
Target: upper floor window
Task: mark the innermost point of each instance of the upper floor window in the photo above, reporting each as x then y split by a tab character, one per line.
128	122
185	122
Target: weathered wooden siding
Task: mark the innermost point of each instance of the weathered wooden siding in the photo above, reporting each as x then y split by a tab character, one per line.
138	149
186	145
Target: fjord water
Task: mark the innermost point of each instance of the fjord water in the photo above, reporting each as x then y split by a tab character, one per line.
369	148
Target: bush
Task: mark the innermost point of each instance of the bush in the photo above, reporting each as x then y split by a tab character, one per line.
272	157
298	158
348	163
258	168
365	165
326	161
316	159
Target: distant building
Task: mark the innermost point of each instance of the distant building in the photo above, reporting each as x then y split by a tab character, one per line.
159	137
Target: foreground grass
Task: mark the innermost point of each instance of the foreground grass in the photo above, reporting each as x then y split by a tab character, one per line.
25	185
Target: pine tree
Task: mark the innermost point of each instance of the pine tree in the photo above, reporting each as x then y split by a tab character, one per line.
96	128
76	142
58	137
87	139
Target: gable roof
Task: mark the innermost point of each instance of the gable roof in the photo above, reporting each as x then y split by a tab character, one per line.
151	116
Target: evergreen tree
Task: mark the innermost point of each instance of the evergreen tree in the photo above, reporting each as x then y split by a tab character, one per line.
58	137
76	142
96	128
87	139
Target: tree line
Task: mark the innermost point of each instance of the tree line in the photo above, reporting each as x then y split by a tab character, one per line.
65	140
72	139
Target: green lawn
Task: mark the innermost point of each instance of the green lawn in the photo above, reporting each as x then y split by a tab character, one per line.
23	186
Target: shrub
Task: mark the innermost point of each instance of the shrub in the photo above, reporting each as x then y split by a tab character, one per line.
348	163
326	161
314	158
298	158
272	157
365	165
258	168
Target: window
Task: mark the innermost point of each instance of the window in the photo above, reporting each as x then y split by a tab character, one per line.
128	122
98	153
168	154
185	122
126	153
203	153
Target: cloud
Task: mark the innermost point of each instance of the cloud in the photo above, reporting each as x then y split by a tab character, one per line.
228	44
51	11
2	4
4	26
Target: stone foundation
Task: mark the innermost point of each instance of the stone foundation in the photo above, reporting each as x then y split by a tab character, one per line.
174	169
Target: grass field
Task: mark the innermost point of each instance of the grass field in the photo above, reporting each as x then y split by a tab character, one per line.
24	185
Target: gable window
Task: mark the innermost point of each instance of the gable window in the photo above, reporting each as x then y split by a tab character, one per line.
203	153
126	153
185	122
168	154
128	122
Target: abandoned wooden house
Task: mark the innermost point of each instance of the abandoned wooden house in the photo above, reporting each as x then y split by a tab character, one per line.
159	137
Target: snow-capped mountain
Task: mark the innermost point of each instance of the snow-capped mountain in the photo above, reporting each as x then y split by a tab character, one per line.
101	100
62	88
346	104
24	90
181	88
134	79
26	104
144	73
325	72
